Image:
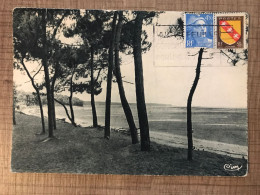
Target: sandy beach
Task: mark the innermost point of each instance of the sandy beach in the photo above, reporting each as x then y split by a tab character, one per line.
84	150
226	138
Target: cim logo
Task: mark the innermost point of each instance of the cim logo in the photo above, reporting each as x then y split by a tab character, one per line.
231	167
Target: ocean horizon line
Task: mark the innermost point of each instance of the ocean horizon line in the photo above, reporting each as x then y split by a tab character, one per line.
168	104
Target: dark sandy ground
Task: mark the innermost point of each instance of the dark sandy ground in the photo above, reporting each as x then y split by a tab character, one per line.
84	150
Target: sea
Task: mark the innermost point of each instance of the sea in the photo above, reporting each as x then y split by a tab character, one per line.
227	125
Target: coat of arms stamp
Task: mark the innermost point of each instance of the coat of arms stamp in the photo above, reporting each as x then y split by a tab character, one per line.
230	32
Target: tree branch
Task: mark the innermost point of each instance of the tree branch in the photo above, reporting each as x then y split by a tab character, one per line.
98	75
54	78
58	25
28	74
194	54
66	110
56	29
128	82
37	72
207	58
225	55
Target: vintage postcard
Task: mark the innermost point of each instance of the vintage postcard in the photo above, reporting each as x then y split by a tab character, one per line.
130	92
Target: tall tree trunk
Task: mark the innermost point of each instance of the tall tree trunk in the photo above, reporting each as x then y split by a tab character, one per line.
124	102
109	78
189	120
53	112
53	102
70	101
139	84
41	110
94	112
38	95
14	121
54	78
55	74
46	74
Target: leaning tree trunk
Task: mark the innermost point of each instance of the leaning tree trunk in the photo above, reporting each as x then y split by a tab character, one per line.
66	110
14	121
38	95
53	109
189	120
41	110
109	78
139	84
124	102
94	112
46	74
70	101
54	112
53	103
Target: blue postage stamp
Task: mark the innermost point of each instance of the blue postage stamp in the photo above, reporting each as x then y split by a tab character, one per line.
199	30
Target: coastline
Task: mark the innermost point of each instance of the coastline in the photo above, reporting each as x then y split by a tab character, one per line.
83	150
169	139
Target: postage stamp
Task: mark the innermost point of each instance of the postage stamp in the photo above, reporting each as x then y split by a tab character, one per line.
199	30
230	32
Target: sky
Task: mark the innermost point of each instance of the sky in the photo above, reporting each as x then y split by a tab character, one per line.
169	72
